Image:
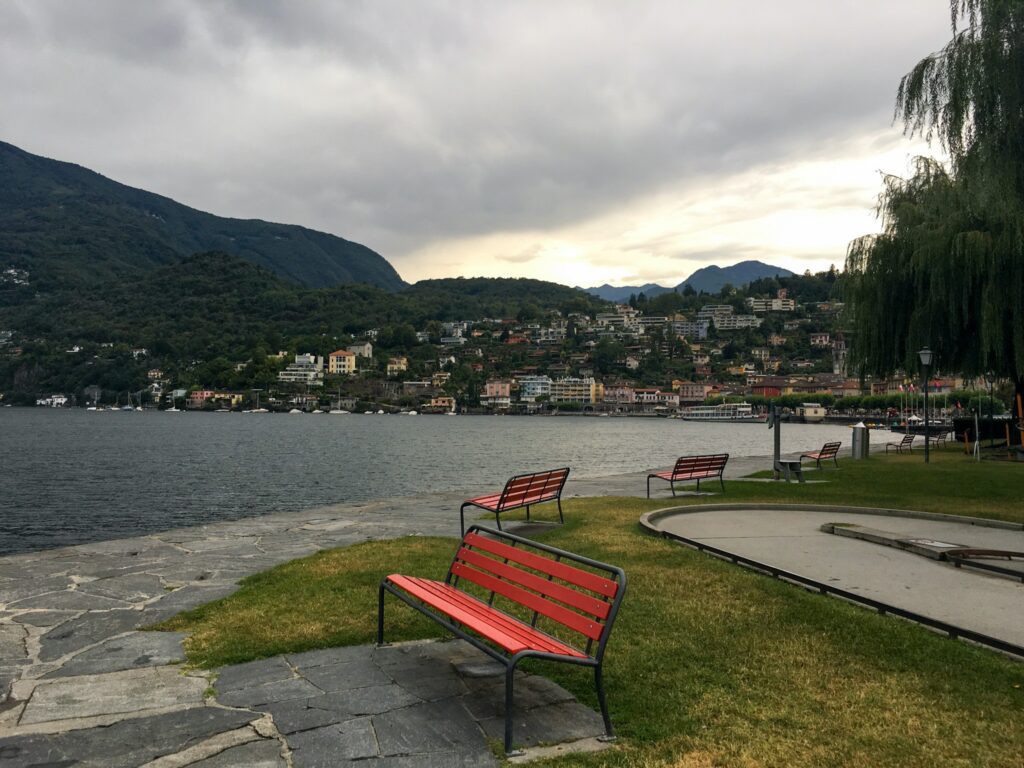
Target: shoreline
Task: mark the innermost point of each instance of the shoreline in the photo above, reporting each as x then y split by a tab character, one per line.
619	484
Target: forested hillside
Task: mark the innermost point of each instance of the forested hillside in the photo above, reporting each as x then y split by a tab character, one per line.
214	305
66	226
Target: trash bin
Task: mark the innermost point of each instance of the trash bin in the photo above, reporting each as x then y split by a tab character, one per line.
861	441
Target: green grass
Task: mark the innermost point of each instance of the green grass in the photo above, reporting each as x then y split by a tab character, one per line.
709	664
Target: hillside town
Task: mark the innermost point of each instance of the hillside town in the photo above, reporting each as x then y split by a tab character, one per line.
626	360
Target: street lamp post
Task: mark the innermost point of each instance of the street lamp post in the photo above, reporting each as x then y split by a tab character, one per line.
926	363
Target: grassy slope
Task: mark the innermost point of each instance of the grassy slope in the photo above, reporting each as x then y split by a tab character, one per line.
709	664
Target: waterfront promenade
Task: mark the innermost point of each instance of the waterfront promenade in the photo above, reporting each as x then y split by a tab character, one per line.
82	682
85	684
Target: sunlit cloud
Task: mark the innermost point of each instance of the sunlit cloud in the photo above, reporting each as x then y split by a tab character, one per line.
798	216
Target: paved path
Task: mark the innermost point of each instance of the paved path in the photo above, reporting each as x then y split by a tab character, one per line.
792	540
79	682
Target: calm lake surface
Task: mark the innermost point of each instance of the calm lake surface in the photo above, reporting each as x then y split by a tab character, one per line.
72	476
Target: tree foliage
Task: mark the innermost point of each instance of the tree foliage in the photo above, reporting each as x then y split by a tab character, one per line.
947	270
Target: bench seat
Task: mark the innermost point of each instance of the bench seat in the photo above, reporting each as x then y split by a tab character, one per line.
906	443
689	468
492	501
828	451
521	491
513	635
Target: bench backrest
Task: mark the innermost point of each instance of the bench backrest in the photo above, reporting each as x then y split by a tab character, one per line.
907	439
578	596
829	450
533	488
712	464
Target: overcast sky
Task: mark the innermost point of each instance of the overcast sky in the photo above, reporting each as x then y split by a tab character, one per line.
582	142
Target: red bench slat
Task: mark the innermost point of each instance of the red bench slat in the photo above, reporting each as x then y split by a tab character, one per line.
510	633
551	589
567	573
587	627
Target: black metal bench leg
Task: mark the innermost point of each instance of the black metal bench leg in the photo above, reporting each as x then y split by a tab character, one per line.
527	513
509	676
462	519
722	481
673	484
599	682
561	519
380	615
497	519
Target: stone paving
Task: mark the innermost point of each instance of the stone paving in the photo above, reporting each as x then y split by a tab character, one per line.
80	685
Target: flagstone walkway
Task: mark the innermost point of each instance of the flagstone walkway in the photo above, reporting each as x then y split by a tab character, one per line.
80	685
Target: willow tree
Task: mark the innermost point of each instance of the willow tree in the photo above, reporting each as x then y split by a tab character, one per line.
947	270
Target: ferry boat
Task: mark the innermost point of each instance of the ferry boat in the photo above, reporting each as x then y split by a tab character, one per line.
737	412
810	413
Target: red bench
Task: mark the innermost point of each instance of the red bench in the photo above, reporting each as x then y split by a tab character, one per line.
828	451
692	468
503	592
907	442
521	491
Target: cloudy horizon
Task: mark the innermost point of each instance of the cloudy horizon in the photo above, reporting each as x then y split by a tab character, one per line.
584	143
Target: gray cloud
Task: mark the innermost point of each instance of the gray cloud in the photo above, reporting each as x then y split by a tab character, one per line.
399	124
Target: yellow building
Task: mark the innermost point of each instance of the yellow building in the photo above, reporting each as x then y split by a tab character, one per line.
341	361
396	365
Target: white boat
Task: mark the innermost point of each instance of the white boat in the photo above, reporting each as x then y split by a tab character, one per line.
337	411
317	411
294	410
172	409
734	412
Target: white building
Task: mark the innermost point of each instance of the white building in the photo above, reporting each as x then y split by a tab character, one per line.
771	305
362	349
691	329
53	401
532	387
307	369
736	322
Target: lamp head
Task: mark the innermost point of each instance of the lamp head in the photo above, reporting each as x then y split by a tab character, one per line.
926	357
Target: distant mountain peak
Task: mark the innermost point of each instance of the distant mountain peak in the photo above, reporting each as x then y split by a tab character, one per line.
709	279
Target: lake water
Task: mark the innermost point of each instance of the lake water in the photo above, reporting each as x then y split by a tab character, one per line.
71	476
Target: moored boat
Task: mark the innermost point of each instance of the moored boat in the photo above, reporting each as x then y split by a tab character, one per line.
732	412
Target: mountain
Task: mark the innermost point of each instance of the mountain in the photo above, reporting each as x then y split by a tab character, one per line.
621	295
69	226
711	279
708	279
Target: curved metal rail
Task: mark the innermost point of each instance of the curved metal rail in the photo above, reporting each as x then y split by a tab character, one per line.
950	630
